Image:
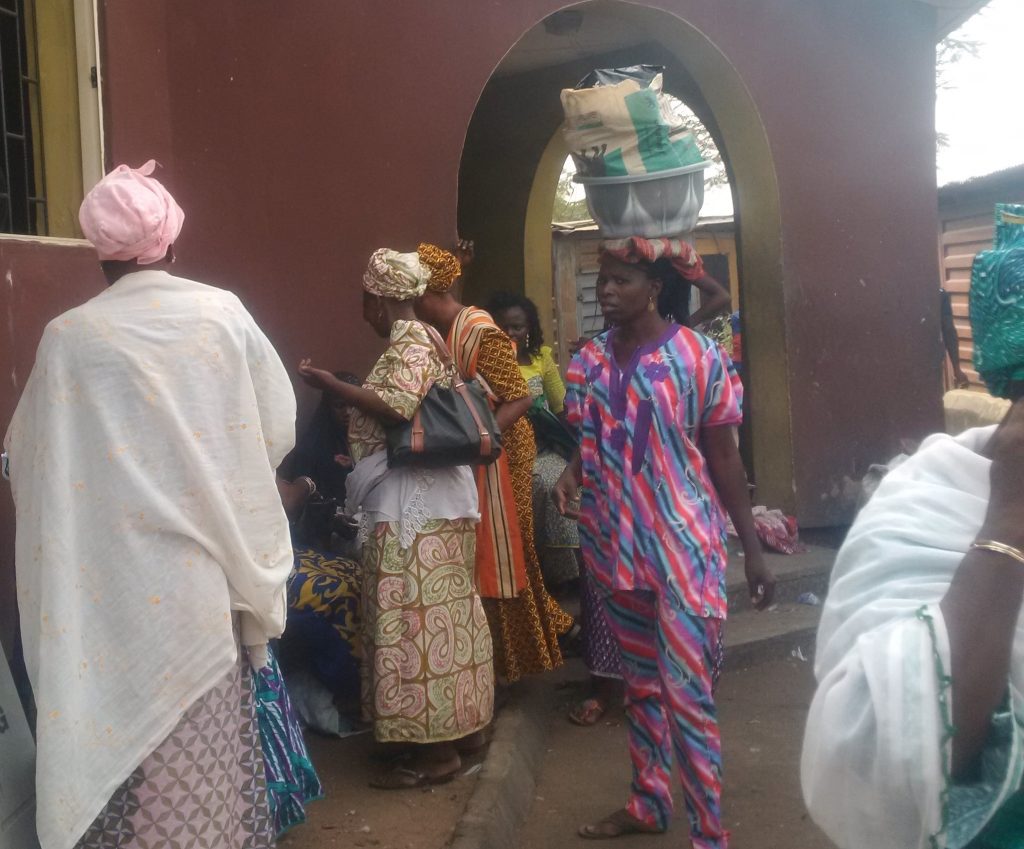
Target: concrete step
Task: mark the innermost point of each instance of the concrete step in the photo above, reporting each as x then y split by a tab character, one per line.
787	629
795	574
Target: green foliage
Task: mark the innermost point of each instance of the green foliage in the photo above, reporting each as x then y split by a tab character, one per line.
567	208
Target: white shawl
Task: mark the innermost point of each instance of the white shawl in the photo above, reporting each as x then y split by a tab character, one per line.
142	461
873	759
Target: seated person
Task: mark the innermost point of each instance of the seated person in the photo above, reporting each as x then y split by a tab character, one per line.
324	587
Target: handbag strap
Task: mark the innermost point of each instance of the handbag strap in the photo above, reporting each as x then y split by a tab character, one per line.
459	385
439	344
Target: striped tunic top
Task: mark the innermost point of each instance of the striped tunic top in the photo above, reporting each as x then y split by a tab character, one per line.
650	517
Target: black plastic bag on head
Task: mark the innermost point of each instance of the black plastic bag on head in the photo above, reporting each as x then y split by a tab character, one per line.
643	74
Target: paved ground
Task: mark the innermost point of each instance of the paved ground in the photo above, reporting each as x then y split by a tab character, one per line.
586	771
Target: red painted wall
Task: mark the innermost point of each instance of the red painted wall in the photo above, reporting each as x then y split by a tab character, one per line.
299	137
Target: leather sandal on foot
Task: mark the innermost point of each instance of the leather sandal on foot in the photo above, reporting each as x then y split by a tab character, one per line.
404	778
618	824
588	712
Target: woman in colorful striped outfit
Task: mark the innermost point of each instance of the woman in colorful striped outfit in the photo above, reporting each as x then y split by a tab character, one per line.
656	406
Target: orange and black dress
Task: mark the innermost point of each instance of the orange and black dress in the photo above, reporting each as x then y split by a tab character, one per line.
525	620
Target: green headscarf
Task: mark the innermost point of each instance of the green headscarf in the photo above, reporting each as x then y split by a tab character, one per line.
997	304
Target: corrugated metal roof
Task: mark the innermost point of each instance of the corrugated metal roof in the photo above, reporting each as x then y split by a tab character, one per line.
1008	178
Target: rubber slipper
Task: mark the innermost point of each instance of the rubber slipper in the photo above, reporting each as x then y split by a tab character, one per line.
588	712
404	778
619	824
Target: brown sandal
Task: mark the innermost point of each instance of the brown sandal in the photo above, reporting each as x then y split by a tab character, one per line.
404	778
588	712
618	824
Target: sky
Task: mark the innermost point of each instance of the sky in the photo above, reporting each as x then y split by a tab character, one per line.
981	112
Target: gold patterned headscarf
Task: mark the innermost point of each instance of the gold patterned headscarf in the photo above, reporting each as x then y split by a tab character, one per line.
391	274
444	267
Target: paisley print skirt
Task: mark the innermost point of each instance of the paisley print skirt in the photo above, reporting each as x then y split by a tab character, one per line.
428	674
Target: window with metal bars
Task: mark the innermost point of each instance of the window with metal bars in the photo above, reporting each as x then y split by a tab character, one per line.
23	207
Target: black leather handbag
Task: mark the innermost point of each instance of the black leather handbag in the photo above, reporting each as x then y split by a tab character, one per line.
453	426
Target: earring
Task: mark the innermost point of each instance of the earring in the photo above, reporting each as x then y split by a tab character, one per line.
650	305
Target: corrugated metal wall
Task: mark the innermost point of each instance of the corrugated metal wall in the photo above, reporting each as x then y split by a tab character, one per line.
960	240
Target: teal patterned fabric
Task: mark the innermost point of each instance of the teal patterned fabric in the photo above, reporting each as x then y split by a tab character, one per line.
292	782
986	813
997	304
1006	831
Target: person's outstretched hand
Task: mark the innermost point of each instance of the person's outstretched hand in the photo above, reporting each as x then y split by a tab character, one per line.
464	251
318	378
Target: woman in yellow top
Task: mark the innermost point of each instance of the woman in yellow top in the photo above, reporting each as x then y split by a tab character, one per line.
557	538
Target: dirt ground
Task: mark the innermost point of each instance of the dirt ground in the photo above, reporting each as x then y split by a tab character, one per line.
586	771
352	814
586	775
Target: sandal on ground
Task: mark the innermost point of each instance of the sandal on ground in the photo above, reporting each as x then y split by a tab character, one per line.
588	712
404	778
618	824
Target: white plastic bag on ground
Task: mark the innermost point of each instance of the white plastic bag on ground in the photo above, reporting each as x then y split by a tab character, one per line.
314	704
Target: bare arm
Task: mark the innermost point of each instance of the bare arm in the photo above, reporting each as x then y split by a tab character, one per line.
718	444
951	342
497	364
983	602
716	300
294	496
509	412
362	399
565	492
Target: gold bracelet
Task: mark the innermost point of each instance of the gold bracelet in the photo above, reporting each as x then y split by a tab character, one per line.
999	548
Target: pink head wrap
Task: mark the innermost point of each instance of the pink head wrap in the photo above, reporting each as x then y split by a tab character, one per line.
635	249
129	215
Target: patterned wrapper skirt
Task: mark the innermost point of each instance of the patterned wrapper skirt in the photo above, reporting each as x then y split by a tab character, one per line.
203	787
601	651
323	620
428	675
558	538
292	781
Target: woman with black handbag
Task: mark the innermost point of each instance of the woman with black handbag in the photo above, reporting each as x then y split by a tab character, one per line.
428	674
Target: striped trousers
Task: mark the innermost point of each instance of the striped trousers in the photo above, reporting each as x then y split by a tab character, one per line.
670	664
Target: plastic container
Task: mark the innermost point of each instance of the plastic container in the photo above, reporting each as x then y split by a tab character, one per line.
662	204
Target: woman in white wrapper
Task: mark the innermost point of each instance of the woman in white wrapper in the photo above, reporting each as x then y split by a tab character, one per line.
151	540
915	734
